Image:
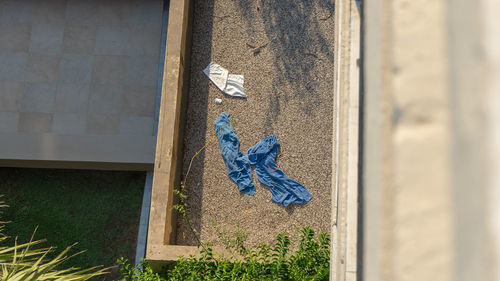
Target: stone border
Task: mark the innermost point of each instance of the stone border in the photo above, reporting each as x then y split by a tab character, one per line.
345	201
168	163
142	235
92	151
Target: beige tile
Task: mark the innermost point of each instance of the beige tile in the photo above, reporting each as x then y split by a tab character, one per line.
105	99
35	122
144	41
72	98
69	123
132	125
111	41
79	39
42	68
138	101
76	69
50	11
13	66
142	70
9	122
16	11
38	97
82	12
103	124
46	39
109	69
15	37
146	13
11	94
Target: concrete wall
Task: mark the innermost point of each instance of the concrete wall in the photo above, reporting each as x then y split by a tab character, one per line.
345	200
491	50
430	140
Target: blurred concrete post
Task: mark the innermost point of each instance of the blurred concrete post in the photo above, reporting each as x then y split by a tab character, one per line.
345	207
431	140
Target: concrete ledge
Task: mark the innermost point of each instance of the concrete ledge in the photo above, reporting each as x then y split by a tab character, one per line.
168	160
345	202
111	166
162	255
77	151
171	252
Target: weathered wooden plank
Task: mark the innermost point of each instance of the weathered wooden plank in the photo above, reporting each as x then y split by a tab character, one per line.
161	230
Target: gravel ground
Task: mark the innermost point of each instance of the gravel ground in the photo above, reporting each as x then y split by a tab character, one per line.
289	84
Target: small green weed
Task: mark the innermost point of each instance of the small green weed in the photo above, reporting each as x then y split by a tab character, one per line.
141	272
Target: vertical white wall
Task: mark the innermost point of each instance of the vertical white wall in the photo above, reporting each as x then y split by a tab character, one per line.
491	23
431	140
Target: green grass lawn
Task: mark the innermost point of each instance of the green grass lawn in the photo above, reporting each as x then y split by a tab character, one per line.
99	210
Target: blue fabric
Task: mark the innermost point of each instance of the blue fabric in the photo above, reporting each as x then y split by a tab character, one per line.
237	163
284	190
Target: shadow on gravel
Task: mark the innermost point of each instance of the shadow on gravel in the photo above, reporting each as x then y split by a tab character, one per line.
195	128
298	44
293	28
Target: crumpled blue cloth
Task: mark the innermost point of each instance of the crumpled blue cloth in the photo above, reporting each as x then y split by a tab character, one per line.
284	190
237	163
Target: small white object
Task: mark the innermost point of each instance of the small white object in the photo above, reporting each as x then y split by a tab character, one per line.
230	84
218	101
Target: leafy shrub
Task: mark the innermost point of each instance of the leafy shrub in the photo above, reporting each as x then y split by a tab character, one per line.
141	272
309	261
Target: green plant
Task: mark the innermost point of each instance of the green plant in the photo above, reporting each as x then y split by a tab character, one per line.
140	272
265	262
309	261
234	242
182	209
21	262
27	263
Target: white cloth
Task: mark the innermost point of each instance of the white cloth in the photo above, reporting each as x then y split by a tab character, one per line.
230	84
234	86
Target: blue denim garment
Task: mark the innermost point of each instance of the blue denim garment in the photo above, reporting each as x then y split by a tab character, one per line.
237	164
284	190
